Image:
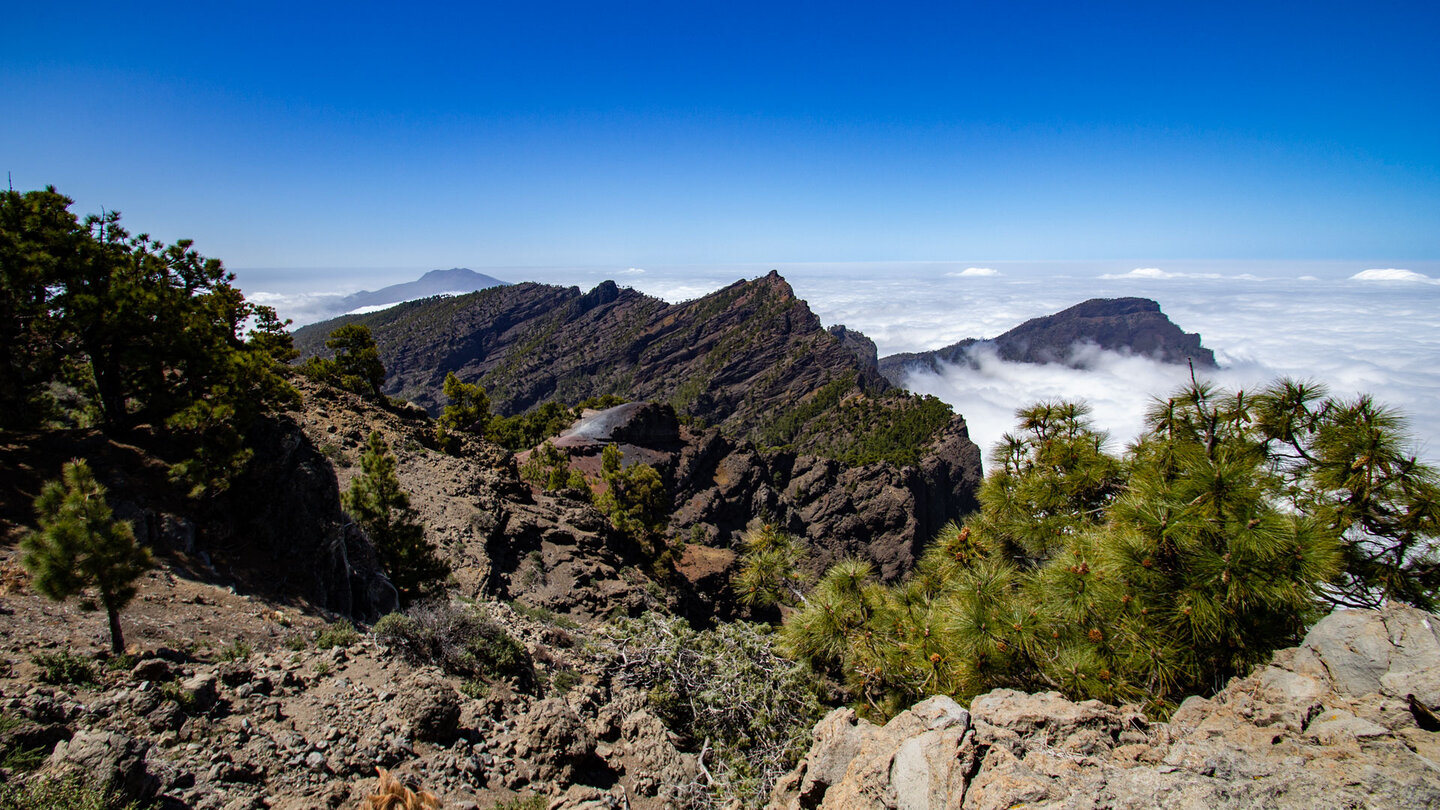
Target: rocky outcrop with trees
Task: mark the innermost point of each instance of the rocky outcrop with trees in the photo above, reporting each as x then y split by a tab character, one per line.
1343	720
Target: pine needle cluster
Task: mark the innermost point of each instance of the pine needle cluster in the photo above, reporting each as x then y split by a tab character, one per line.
79	545
380	507
1232	523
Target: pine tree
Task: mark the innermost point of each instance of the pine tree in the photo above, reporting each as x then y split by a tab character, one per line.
383	510
356	366
634	498
1138	578
469	411
769	569
80	545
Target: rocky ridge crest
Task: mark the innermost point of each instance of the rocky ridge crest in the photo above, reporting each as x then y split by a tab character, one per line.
1341	721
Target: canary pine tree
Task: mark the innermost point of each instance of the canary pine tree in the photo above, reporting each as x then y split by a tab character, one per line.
469	411
383	510
1231	524
80	545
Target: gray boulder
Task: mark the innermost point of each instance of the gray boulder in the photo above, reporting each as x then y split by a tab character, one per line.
106	760
1336	722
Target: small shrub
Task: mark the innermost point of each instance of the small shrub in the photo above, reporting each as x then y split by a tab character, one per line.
58	794
172	690
544	615
322	668
296	643
728	686
64	667
120	663
18	758
522	803
339	634
457	639
474	689
564	680
237	650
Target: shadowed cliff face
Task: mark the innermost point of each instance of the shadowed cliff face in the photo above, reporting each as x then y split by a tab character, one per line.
736	357
1133	325
784	419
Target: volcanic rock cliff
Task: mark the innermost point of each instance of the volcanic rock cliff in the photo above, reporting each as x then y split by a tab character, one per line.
782	419
1132	325
736	357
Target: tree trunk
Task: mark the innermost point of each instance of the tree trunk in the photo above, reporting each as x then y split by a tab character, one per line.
117	639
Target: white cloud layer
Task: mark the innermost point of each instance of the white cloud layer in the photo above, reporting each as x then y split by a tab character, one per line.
1394	274
1379	338
974	272
1154	273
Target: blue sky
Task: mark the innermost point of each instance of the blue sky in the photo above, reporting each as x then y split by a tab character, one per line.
291	135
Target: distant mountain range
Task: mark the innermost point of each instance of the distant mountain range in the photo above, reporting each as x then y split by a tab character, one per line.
456	280
1132	325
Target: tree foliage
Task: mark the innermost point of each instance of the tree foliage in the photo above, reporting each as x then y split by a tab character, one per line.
548	467
634	498
383	510
79	545
468	411
1234	521
134	330
356	366
769	572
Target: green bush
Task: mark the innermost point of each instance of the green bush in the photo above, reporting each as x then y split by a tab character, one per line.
522	803
729	686
455	638
17	757
1235	520
171	690
237	650
64	667
339	634
59	794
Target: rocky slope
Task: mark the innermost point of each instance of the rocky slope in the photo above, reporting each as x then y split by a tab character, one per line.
1342	721
1134	325
783	419
236	703
720	486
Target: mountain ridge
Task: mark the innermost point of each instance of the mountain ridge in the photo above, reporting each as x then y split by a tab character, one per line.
1134	325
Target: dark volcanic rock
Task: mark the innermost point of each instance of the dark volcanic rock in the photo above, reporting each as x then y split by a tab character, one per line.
1133	325
863	347
783	418
735	357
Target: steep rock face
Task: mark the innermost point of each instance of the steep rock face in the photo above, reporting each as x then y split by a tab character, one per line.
278	531
771	401
1340	721
876	511
501	538
737	357
1134	325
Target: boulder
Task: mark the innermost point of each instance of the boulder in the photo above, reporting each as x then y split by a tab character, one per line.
429	709
1344	720
552	742
106	760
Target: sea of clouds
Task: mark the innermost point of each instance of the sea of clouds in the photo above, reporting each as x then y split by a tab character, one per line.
1353	327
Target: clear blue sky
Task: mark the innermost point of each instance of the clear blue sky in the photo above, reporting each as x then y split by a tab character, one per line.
483	134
